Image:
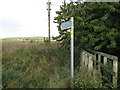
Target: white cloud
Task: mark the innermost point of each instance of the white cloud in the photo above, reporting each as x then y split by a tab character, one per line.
30	14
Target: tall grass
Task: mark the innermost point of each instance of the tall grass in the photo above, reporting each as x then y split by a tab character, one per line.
41	65
33	65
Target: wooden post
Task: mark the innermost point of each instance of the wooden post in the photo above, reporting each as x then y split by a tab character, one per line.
99	60
105	60
94	61
104	64
86	59
115	70
90	64
82	59
49	8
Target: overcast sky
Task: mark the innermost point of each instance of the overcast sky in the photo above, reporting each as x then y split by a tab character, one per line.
27	18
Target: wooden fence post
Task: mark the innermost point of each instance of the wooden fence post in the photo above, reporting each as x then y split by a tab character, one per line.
105	60
100	65
104	67
115	70
90	63
94	61
81	59
99	61
86	59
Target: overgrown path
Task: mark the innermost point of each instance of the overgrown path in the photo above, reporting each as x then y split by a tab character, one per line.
41	65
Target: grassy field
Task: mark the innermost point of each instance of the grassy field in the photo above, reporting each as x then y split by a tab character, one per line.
38	39
33	64
41	65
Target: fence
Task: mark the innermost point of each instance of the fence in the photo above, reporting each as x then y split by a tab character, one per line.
102	62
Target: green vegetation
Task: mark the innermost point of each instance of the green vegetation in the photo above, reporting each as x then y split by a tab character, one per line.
96	25
41	65
34	65
25	64
45	39
30	64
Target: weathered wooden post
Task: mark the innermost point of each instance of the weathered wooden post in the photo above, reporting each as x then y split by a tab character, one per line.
90	64
82	59
94	61
104	63
86	59
115	65
99	61
105	60
115	70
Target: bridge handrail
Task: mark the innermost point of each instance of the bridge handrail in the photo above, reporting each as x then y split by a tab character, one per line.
93	59
105	55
